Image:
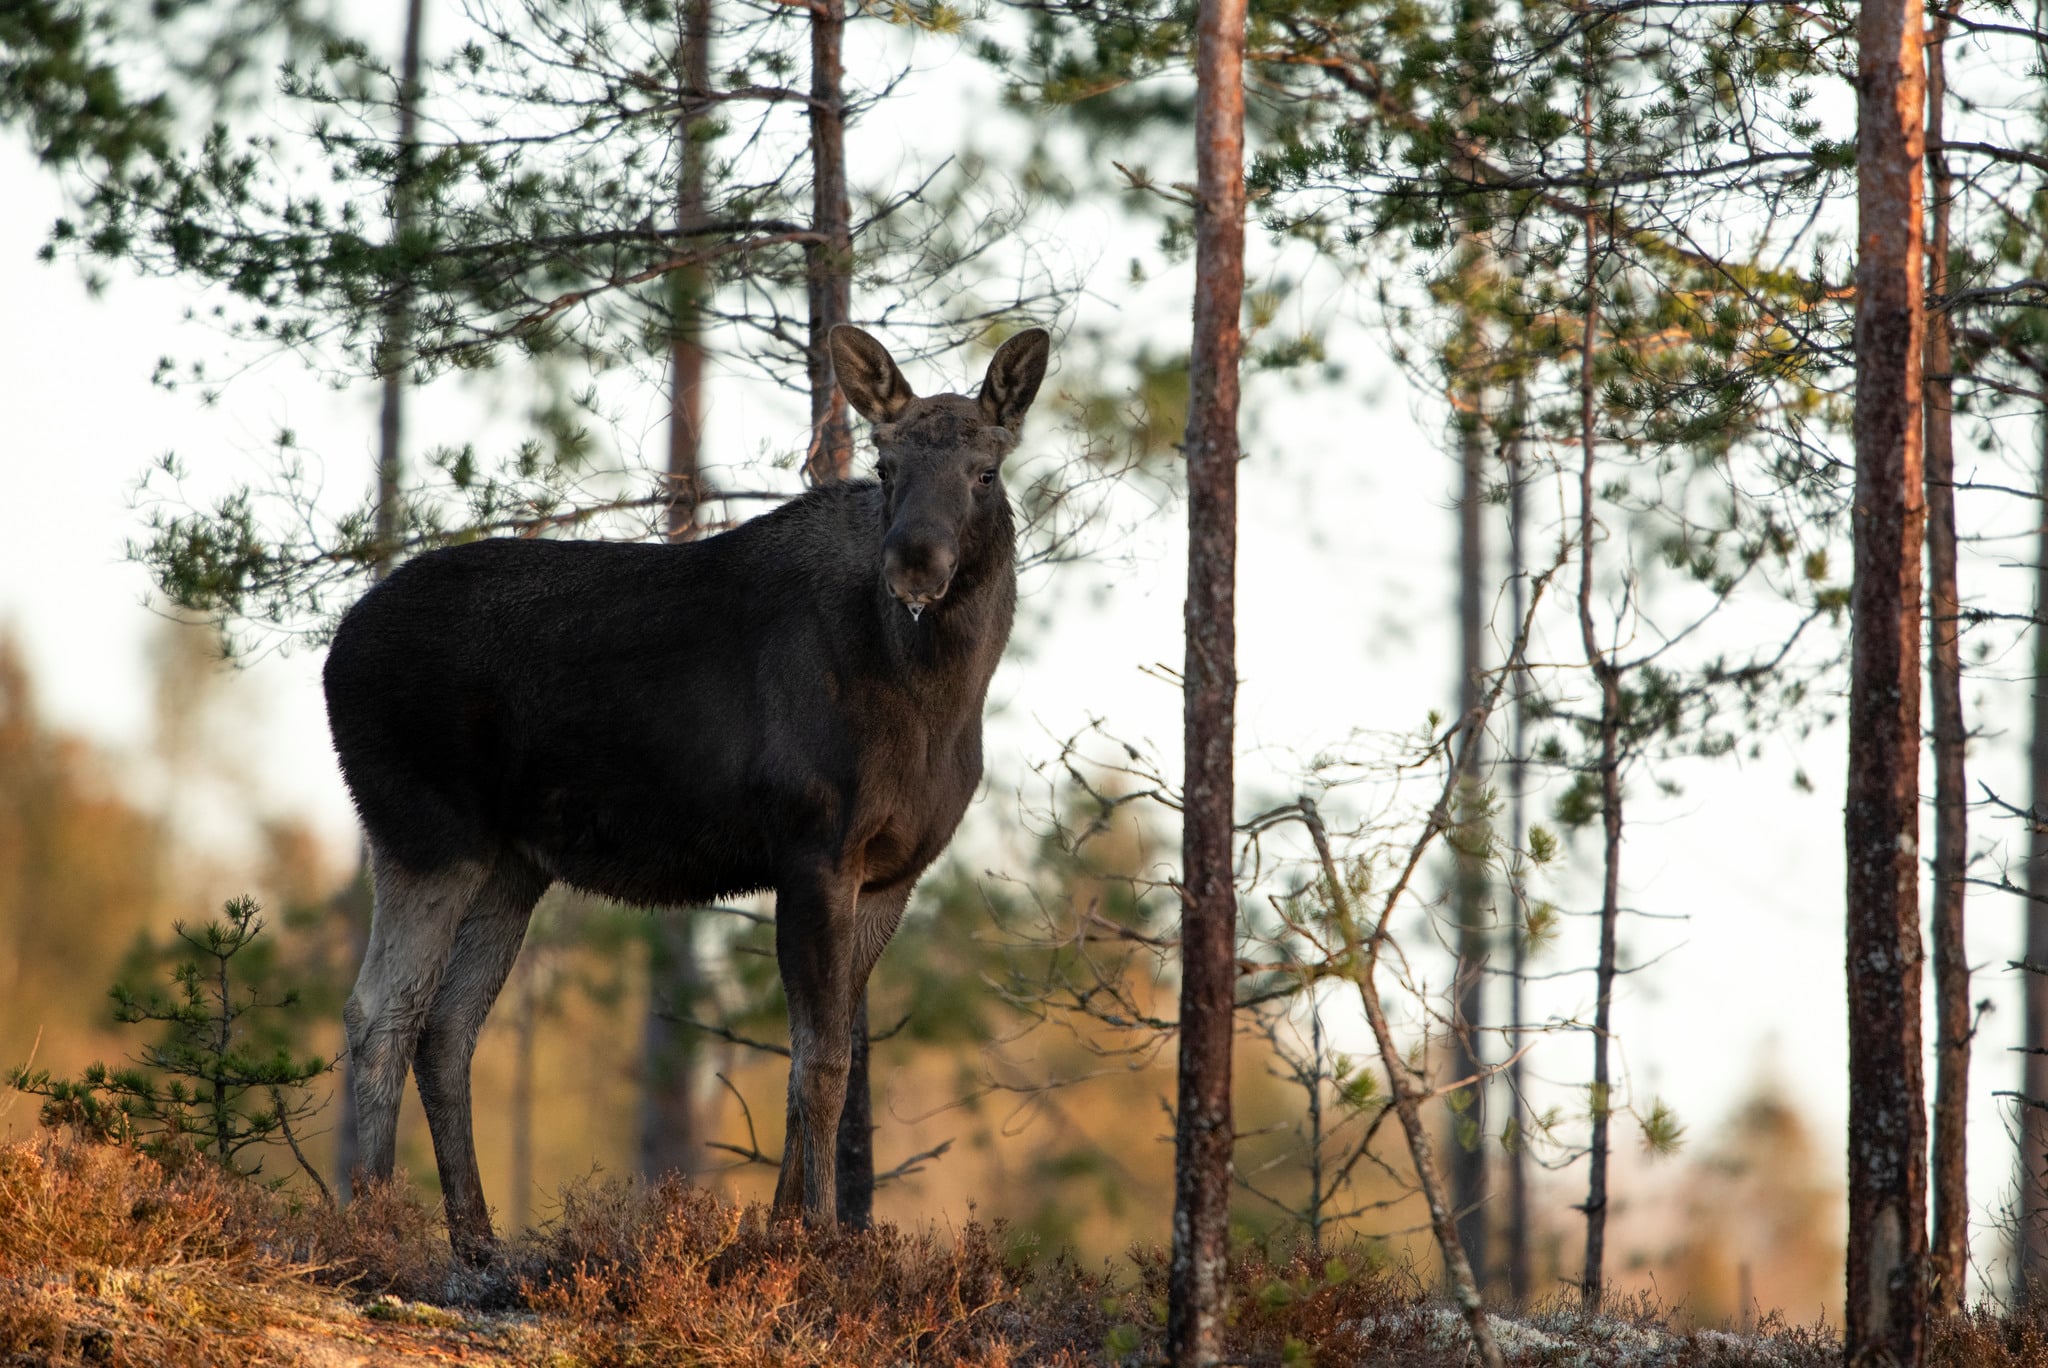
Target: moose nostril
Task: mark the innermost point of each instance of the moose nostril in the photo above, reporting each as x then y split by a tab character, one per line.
919	572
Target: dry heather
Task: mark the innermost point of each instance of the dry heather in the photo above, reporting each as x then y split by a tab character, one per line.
107	1257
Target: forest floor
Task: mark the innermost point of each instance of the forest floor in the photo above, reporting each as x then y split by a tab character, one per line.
108	1257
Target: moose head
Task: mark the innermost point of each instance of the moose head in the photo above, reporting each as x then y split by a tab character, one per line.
940	458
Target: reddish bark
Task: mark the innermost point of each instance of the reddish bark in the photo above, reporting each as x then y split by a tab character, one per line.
1886	1304
829	282
829	257
1202	1134
1951	1246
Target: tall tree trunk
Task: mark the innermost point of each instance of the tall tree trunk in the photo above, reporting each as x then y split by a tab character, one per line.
1202	1132
394	358
1471	886
2030	1266
1593	1277
1517	1223
688	286
1471	883
1886	1304
670	1051
1951	1247
829	259
829	262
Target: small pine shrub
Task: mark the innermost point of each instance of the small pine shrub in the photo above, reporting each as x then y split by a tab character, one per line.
219	1081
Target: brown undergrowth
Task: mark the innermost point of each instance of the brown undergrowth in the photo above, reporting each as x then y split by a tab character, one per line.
110	1257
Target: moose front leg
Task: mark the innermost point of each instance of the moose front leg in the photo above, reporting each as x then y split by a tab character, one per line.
815	948
876	919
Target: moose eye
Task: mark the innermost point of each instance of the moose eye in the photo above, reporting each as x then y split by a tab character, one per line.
987	477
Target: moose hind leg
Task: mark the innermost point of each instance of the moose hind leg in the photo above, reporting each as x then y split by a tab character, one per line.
411	932
486	945
814	948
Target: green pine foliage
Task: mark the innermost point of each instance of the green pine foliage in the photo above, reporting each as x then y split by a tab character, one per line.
221	1080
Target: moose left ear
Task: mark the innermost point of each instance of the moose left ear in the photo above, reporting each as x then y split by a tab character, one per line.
1013	377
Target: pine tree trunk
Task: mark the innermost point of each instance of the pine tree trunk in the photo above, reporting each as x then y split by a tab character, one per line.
687	287
1886	1303
829	264
670	1051
2030	1266
1951	1246
1471	886
828	261
1593	1275
1517	1223
394	357
1202	1133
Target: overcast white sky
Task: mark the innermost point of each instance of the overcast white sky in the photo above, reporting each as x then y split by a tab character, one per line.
1345	597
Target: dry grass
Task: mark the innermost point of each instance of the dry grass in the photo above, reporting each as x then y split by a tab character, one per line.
107	1257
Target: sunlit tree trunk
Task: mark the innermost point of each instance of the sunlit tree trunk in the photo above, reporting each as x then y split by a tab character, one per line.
830	279
1202	1131
1886	1303
829	258
1951	1246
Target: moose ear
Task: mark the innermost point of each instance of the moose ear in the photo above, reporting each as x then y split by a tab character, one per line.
1013	377
868	375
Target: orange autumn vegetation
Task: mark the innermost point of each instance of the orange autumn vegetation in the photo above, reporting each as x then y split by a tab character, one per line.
107	1257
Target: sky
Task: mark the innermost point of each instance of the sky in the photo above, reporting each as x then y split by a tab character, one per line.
1346	629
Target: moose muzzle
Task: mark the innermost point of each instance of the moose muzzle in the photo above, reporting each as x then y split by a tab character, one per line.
918	566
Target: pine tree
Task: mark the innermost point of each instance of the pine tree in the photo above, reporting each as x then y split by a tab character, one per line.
1886	1311
1202	1121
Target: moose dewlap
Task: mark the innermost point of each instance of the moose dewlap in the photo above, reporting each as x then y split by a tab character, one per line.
792	705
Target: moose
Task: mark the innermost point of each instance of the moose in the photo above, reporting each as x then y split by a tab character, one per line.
794	704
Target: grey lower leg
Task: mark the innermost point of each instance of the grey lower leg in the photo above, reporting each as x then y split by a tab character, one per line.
876	917
411	933
485	948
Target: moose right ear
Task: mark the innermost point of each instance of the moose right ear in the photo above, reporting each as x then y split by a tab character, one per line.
1014	373
868	375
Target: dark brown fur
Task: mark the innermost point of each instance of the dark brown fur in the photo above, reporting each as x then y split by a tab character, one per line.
795	704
